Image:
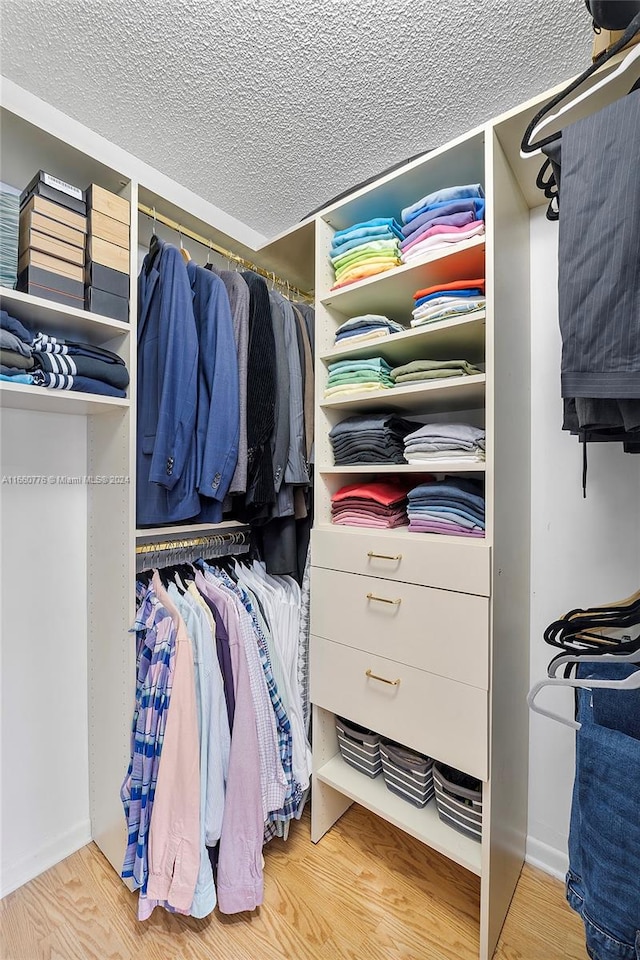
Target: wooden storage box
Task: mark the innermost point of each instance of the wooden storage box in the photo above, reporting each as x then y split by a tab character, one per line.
110	204
108	228
32	239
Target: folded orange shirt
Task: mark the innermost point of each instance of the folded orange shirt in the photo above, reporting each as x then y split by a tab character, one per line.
454	285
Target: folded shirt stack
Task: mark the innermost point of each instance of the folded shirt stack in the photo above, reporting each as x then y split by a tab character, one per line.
373	438
443	217
436	444
432	370
453	506
68	365
369	326
447	300
372	504
15	349
365	249
352	376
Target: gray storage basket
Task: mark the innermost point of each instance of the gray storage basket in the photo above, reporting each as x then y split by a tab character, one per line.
360	748
459	800
407	773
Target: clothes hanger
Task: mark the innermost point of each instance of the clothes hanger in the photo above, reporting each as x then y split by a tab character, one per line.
570	660
629	683
618	83
186	256
154	243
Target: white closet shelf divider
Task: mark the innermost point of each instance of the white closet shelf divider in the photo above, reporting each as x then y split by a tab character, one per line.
454	466
39	314
453	337
385	292
23	396
454	393
423	824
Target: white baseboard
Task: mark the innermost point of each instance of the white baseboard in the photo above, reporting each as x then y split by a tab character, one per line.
547	858
14	875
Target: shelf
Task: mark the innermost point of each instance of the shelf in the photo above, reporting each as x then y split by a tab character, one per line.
187	530
22	396
454	337
403	533
393	468
385	293
39	314
454	393
425	825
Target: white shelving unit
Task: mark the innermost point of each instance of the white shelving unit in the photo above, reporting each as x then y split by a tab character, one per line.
466	709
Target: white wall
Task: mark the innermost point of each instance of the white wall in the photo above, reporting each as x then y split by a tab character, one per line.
43	630
583	552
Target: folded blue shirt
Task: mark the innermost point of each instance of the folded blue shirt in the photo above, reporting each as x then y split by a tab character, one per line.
60	381
462	192
7	322
446	208
374	222
470	294
17	377
343	248
346	241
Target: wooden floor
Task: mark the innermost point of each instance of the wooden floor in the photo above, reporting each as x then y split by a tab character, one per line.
366	892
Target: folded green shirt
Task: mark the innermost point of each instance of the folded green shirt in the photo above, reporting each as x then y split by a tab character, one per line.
428	369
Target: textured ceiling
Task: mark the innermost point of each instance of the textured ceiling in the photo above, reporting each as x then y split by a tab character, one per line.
269	108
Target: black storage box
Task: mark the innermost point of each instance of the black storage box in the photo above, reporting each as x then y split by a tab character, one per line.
51	286
52	188
107	304
107	279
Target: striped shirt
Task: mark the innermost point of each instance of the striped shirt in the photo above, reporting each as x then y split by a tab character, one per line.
155	656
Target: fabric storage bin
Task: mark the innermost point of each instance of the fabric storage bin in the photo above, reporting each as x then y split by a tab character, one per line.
360	747
458	799
407	773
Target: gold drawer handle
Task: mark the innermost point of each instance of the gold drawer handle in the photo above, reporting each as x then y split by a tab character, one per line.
374	676
372	596
384	556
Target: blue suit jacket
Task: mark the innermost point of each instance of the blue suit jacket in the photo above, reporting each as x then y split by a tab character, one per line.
167	391
218	417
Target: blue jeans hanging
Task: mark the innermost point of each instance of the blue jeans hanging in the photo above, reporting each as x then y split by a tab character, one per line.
603	882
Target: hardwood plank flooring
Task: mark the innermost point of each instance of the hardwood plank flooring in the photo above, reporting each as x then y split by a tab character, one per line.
367	891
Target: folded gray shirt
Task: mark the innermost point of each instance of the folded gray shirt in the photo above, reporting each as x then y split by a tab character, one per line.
9	341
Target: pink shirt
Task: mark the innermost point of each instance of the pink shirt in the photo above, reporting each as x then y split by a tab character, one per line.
174	835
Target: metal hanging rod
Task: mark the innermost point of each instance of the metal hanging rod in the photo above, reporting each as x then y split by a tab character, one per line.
215	540
168	552
216	248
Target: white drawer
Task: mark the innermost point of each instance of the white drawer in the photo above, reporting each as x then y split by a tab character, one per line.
435	630
451	563
435	715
